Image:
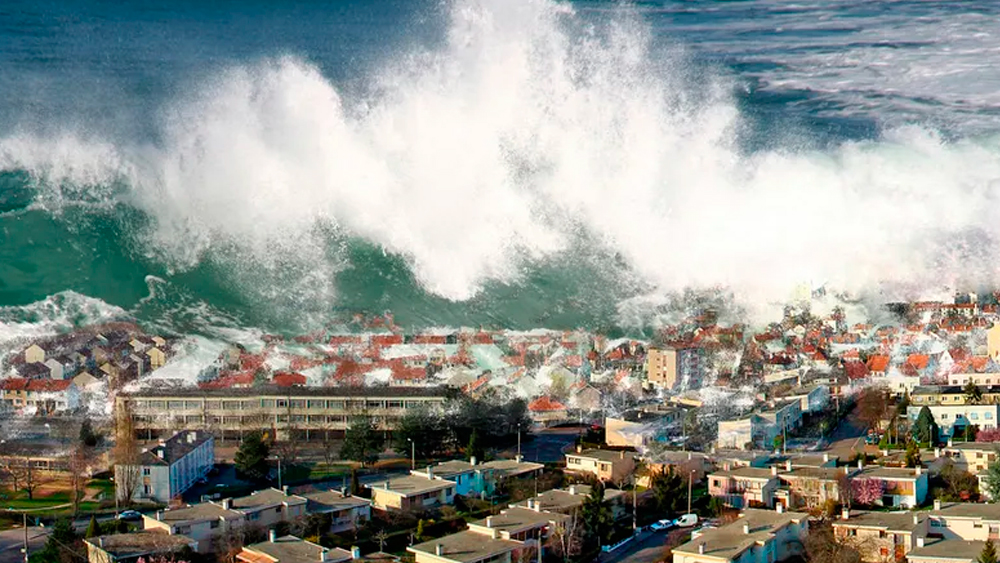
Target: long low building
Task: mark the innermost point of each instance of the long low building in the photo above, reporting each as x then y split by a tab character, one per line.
300	413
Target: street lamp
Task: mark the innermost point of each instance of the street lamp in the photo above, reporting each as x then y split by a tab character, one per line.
690	481
413	453
518	441
279	470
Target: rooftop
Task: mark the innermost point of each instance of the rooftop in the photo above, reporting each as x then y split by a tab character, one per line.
746	473
959	550
411	485
893	521
512	467
175	448
566	499
265	498
274	390
729	541
290	549
880	472
141	543
466	546
820	473
603	455
331	501
969	510
196	513
517	519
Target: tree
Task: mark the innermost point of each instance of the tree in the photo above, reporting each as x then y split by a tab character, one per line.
954	485
566	539
420	530
973	394
912	454
88	437
251	457
690	422
126	454
423	430
669	490
988	554
927	429
93	529
474	449
991	482
779	442
363	440
872	407
823	546
868	491
356	489
596	516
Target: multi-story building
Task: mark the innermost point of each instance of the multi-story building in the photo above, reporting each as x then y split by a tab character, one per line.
169	468
745	487
43	396
974	457
606	465
640	427
951	410
129	548
675	368
302	413
881	536
812	487
759	430
757	536
965	521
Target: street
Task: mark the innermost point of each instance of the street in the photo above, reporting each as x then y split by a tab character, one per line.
648	547
847	436
548	445
11	542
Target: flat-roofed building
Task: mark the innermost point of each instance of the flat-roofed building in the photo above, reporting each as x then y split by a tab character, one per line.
606	465
168	469
411	493
346	512
931	550
290	549
758	536
812	487
974	457
881	536
745	487
901	487
205	523
269	506
965	520
640	427
514	468
570	499
675	367
519	524
465	547
129	548
470	477
302	413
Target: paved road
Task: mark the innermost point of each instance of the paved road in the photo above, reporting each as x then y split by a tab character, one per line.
548	445
649	547
11	542
847	436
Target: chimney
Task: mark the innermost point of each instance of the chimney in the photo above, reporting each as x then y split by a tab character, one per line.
519	458
861	462
272	535
774	470
701	549
430	472
159	453
826	458
284	489
439	550
191	436
531	503
489	521
920	542
950	443
572	489
579	448
385	485
322	555
746	528
916	518
621	454
937	504
937	453
355	552
100	542
227	503
779	508
472	461
845	514
920	469
788	465
159	515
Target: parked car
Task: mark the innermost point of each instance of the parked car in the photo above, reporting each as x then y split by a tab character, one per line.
664	524
129	515
686	521
203	481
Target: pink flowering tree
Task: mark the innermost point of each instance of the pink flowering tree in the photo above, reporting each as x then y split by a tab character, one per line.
867	491
988	435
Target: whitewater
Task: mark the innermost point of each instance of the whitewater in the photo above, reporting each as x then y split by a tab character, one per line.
511	163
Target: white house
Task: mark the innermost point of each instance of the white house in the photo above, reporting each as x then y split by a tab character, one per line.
170	468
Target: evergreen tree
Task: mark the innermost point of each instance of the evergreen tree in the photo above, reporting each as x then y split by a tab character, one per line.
420	530
991	482
251	457
474	449
93	529
363	440
88	437
988	554
927	429
912	454
973	394
598	522
669	490
427	431
356	489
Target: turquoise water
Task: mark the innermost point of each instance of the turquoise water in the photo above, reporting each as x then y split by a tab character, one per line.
487	162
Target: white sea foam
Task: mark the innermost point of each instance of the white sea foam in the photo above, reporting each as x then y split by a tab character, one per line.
527	129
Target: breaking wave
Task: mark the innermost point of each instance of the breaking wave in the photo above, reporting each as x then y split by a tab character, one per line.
531	136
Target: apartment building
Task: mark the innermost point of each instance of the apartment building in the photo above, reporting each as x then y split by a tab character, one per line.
606	465
129	548
677	368
42	396
412	493
757	536
745	487
953	418
302	413
168	469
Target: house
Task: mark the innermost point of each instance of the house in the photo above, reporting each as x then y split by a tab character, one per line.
762	536
881	536
39	395
974	457
346	512
901	487
34	354
546	410
515	468
932	550
586	398
465	547
607	465
518	524
568	500
812	398
84	381
640	427
965	520
56	368
696	464
129	548
268	507
411	493
469	477
290	549
157	358
744	487
812	487
169	468
674	368
205	523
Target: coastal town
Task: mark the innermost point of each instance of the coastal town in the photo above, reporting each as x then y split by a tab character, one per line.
810	437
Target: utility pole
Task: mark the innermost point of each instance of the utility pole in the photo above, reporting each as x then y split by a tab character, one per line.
635	517
413	453
519	441
279	474
24	516
690	481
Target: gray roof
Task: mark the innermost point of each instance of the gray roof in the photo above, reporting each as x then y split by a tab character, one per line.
729	541
981	446
876	471
558	500
451	468
512	467
466	547
989	511
265	498
820	473
290	549
411	485
175	448
516	519
196	513
332	501
141	543
746	473
603	455
958	550
892	521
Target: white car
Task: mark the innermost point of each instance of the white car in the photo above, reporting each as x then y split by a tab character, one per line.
686	521
664	524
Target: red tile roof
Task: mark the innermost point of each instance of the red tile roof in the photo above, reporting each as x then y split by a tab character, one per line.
545	404
878	364
289	379
918	361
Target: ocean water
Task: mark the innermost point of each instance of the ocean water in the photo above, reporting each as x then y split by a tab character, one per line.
257	166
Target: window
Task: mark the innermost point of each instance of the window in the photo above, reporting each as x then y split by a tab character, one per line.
944	416
215	524
277	510
145	471
988	416
145	490
974	416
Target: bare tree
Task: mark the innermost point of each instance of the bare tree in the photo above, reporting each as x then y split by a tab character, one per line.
566	538
23	475
126	454
78	467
